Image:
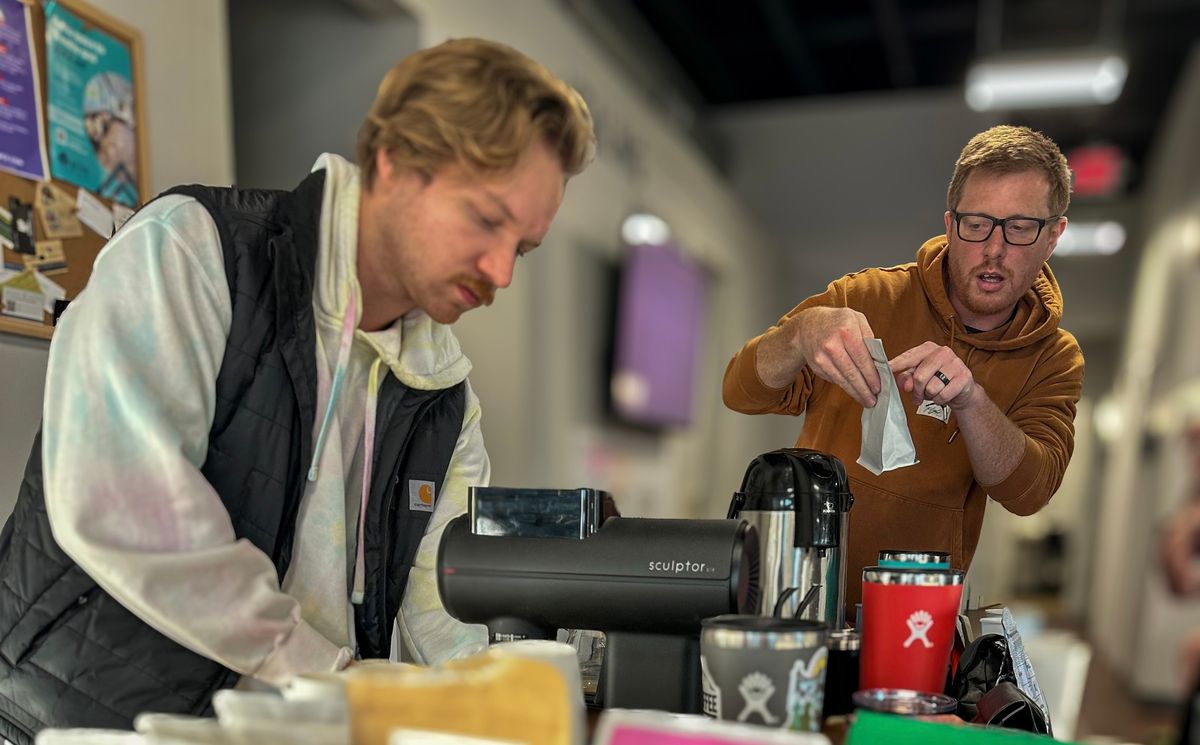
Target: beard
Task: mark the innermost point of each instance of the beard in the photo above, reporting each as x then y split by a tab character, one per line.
982	303
962	282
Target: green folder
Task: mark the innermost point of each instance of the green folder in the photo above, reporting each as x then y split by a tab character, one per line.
872	728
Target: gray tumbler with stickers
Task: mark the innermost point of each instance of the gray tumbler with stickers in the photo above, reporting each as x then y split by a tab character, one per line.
763	670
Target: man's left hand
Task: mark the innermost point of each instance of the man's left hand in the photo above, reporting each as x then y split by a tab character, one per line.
1179	547
935	373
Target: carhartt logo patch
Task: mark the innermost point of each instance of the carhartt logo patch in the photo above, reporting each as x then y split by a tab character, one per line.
421	495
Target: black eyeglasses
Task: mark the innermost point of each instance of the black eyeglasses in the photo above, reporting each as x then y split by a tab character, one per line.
976	227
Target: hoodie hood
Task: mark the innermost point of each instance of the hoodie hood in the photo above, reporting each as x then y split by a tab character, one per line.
421	353
1039	310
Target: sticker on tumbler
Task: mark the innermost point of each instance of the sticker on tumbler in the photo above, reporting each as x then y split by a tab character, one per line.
421	495
805	693
711	693
919	624
756	690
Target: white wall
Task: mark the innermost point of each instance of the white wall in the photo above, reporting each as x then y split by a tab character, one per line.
305	72
190	140
1135	623
186	53
535	351
24	364
850	181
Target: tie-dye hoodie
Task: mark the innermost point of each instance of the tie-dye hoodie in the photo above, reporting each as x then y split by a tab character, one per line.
130	390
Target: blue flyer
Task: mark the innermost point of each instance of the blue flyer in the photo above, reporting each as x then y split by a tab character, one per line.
90	102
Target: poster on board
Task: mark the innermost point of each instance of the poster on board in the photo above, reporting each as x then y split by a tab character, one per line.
22	147
91	103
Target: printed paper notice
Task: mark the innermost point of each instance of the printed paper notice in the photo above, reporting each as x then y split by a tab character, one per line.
22	148
51	291
93	213
48	258
57	211
21	296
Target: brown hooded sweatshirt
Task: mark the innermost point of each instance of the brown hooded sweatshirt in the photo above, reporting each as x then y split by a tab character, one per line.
1030	368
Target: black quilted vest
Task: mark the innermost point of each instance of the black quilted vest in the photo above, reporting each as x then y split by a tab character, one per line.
71	655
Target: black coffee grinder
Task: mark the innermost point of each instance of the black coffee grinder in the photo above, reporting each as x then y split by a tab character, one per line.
646	583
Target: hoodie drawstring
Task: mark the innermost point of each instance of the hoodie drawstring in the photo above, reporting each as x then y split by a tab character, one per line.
950	319
349	322
356	596
339	373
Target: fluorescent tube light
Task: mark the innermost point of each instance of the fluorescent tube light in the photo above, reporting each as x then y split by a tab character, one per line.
1091	239
1039	81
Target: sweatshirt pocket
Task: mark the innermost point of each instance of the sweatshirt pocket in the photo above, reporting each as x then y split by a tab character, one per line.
62	600
881	519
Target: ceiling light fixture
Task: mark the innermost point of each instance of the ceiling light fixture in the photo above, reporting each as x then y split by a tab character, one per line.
1045	80
1091	239
644	228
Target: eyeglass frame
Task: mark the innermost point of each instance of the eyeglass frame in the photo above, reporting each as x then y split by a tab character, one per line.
1003	223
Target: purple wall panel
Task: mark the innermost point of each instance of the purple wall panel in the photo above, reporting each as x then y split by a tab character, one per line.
661	319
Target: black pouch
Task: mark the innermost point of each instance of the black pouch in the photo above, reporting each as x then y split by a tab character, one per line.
984	664
1007	706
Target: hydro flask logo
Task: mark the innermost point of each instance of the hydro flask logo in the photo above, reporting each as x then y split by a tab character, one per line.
919	624
683	566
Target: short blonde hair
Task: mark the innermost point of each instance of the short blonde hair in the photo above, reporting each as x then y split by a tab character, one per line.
477	103
1009	149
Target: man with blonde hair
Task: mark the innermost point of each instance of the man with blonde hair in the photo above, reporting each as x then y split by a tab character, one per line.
974	325
257	420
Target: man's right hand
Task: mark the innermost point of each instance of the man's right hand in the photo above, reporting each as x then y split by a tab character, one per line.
831	342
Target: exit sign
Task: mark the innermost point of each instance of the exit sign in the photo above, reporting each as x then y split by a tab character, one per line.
1100	170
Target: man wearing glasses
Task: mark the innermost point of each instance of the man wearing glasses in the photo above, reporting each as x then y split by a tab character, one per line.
973	325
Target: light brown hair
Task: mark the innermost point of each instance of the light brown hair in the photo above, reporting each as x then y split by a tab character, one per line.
477	103
1009	149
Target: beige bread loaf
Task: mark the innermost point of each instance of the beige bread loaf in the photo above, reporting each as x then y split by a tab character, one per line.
504	698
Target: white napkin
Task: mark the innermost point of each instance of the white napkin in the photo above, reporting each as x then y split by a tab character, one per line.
886	442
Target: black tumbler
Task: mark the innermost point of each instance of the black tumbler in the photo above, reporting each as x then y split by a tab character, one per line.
841	679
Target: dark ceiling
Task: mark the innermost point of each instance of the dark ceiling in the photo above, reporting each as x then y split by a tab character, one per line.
763	50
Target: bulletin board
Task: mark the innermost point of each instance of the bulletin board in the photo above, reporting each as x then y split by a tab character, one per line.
79	253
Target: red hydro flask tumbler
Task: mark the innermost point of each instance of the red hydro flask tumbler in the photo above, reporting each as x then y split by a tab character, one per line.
908	627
